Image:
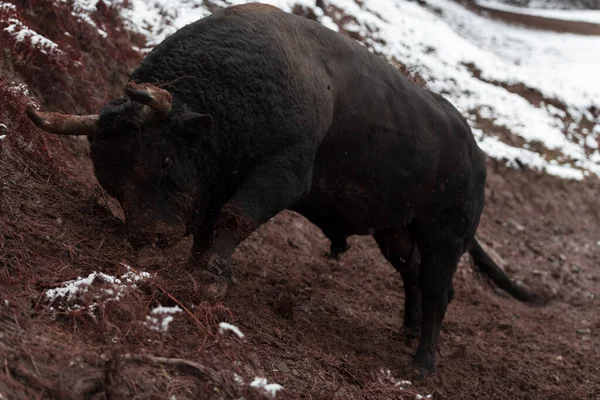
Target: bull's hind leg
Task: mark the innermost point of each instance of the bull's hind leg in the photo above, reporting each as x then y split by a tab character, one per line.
398	247
440	252
338	246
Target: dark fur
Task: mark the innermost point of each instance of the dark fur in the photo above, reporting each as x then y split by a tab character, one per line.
304	119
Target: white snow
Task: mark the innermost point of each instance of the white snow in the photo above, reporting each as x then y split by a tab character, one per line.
149	18
592	16
514	155
7	6
19	88
84	5
224	326
82	15
559	66
102	288
238	379
160	317
591	142
271	388
21	32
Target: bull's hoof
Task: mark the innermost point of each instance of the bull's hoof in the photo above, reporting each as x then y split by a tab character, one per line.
213	287
212	274
217	265
424	366
336	249
417	373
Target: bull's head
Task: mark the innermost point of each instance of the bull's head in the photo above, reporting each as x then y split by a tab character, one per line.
143	156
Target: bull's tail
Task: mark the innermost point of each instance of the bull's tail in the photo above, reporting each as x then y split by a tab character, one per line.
486	267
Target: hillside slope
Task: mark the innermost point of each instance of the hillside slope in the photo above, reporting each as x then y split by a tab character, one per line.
84	316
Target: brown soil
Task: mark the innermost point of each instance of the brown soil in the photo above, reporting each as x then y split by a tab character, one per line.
322	329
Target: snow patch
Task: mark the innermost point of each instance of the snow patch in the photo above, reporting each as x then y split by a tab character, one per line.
271	388
86	18
160	317
21	33
19	88
93	290
84	5
224	326
591	16
516	157
7	6
238	379
591	142
161	18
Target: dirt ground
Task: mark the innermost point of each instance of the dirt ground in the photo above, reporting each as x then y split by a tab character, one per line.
322	329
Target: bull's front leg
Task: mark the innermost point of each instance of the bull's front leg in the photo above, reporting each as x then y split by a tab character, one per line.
269	188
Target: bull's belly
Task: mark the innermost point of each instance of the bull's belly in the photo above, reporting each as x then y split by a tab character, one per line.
345	206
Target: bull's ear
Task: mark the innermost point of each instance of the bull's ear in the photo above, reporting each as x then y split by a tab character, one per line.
192	122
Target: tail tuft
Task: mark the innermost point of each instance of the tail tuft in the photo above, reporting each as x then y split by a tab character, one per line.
486	267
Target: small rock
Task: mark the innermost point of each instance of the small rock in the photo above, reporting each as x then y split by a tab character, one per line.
516	225
584	331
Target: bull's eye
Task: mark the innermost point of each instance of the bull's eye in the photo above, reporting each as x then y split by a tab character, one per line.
167	162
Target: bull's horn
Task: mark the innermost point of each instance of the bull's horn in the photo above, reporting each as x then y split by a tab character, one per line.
157	99
63	124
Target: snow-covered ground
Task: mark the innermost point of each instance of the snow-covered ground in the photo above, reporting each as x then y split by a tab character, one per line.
555	4
92	291
592	16
472	60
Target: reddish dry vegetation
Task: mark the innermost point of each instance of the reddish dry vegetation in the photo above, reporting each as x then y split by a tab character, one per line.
322	329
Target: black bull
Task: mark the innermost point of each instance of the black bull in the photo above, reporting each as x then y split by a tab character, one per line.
262	111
